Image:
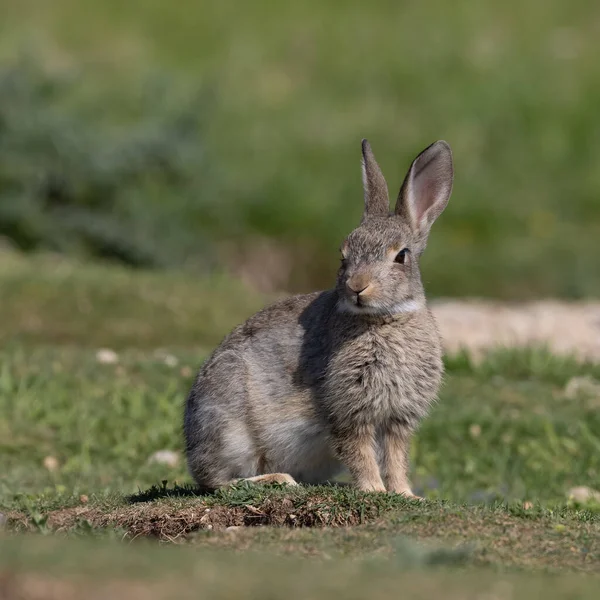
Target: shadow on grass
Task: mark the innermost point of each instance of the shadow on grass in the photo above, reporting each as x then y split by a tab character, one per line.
156	492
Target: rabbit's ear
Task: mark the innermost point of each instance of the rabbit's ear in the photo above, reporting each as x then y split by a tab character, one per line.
377	200
427	187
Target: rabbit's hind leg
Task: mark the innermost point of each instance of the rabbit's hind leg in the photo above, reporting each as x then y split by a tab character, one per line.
266	479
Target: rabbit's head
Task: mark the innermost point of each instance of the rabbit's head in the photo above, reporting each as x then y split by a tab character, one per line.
379	274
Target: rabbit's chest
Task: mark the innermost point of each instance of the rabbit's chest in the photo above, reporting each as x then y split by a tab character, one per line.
377	377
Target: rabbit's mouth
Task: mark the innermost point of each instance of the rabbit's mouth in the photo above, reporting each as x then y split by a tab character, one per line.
358	301
362	306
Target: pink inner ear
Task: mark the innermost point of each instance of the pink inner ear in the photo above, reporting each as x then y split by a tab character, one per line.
427	187
425	198
430	194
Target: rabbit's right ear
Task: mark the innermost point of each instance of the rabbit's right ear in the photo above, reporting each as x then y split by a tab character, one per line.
377	200
427	187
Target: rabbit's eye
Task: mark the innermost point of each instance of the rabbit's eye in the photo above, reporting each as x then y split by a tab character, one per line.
401	256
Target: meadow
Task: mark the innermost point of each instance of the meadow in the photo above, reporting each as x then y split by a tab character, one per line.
80	421
166	170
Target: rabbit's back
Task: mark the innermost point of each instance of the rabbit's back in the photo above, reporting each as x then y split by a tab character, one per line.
281	344
252	406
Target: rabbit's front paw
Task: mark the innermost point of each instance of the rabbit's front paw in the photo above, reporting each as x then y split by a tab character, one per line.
408	495
371	487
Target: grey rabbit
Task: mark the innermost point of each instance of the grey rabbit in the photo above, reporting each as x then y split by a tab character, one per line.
322	381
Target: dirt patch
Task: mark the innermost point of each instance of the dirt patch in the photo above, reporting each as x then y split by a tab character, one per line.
564	327
169	522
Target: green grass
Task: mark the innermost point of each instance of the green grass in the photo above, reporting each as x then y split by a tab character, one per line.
513	87
491	436
495	461
58	301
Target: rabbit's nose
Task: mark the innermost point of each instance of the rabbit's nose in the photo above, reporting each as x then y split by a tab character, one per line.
358	285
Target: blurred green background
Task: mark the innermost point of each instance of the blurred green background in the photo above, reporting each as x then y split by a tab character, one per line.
224	136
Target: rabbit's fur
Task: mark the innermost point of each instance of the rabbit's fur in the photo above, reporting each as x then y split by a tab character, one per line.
339	378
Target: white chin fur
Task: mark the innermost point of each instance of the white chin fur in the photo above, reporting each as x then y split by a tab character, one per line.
406	306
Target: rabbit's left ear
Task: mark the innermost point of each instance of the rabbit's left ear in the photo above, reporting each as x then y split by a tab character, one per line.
377	200
427	187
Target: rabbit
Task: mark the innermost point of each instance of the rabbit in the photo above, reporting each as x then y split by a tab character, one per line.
337	379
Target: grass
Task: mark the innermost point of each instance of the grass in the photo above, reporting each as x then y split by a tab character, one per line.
491	436
334	522
51	300
513	87
495	460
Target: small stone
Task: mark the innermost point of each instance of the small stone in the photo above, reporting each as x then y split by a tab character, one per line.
233	528
582	386
106	356
165	457
168	359
51	463
583	495
83	499
475	430
528	505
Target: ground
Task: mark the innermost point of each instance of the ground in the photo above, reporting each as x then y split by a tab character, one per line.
95	366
